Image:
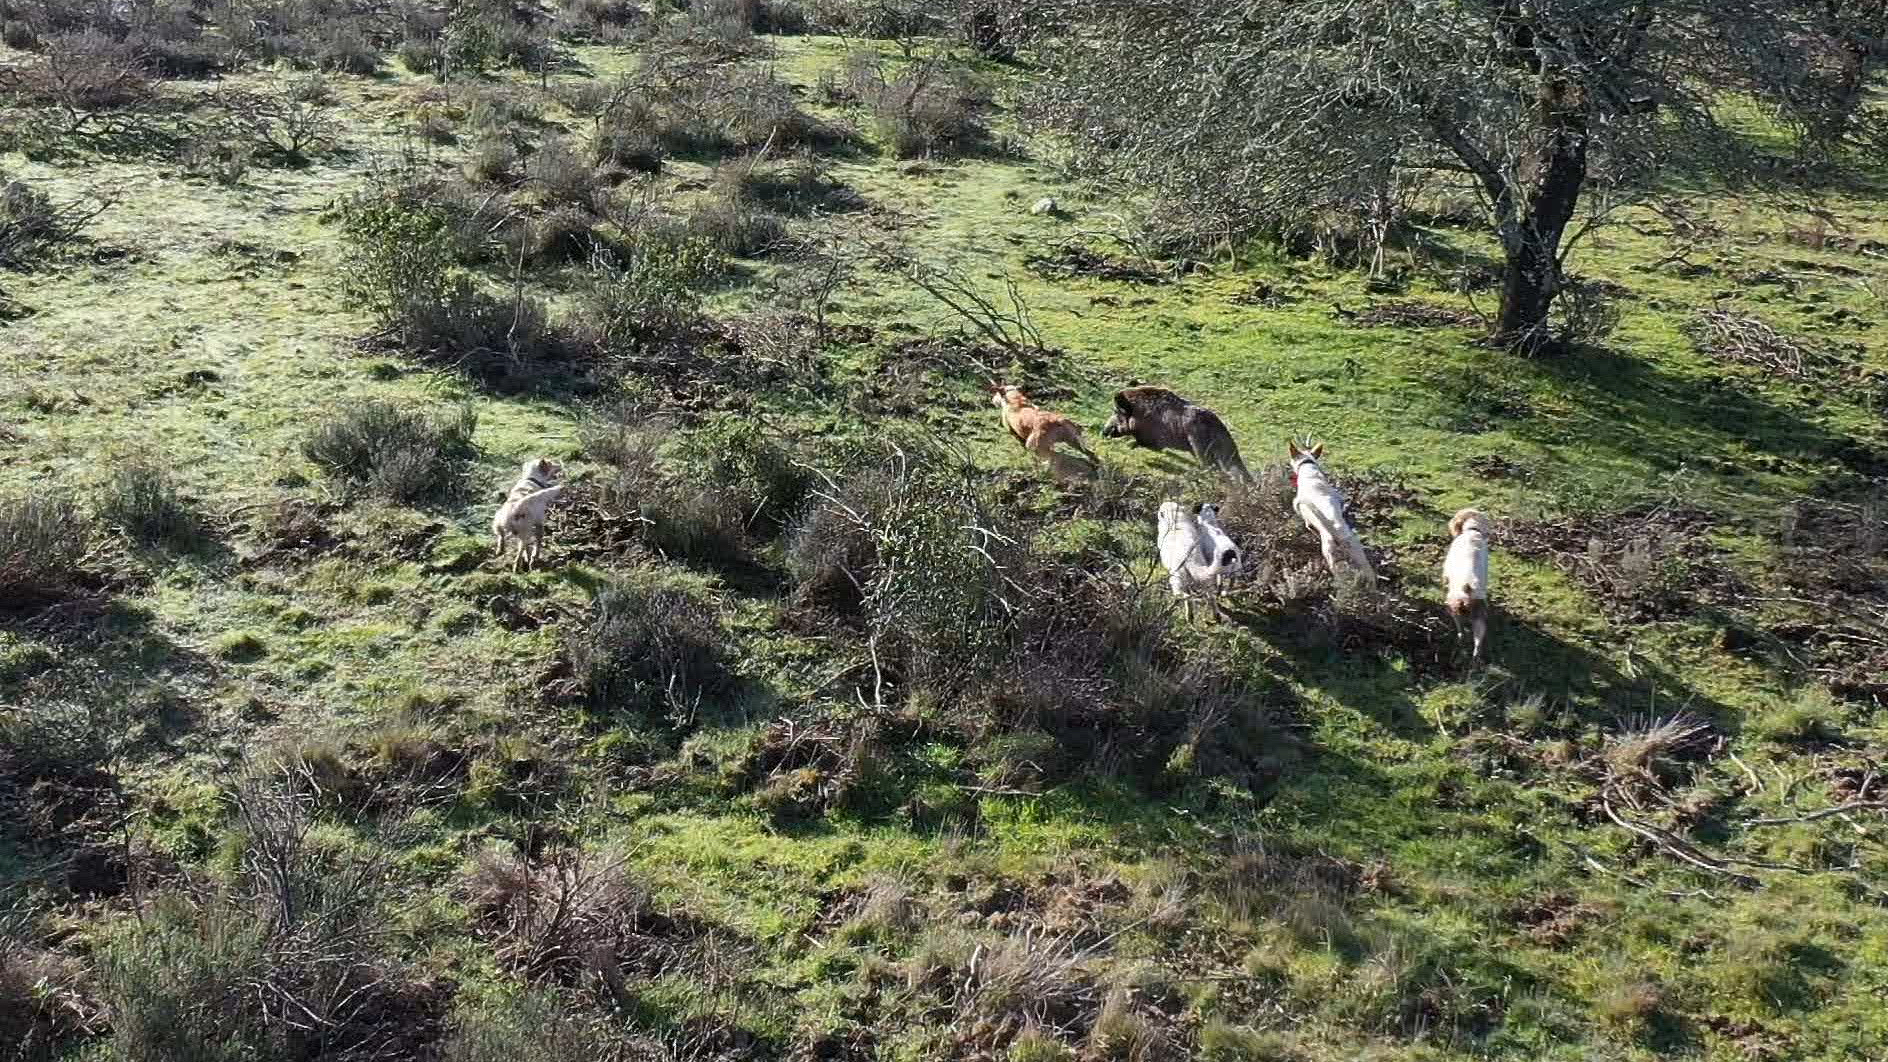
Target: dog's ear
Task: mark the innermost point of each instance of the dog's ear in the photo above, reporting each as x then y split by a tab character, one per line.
1121	403
1291	448
1317	451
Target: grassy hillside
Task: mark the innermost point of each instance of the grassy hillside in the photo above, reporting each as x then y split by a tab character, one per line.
292	766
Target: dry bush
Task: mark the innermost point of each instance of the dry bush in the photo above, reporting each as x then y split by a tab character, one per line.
561	234
33	227
141	499
61	806
291	961
1049	668
1416	315
802	768
628	136
46	1005
1833	565
398	453
284	122
44	549
599	21
1748	340
561	176
649	649
1644	562
81	77
569	919
729	219
928	109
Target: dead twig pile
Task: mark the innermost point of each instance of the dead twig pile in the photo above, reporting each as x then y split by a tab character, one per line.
1748	340
1411	314
1074	260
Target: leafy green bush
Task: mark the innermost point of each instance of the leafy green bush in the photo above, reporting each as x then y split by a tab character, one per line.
645	291
407	241
397	453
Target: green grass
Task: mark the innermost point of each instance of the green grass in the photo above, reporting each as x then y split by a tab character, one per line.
1434	875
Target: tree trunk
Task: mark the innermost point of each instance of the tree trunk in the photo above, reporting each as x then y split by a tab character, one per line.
1532	243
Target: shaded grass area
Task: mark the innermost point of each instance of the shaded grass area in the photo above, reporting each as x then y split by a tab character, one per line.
1419	860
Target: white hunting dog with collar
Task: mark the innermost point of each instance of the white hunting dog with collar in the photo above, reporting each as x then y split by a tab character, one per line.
521	517
1319	504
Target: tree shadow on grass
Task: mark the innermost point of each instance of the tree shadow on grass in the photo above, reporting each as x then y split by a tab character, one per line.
1643	412
1387	682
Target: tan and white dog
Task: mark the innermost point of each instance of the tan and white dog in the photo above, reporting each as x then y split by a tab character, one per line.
1196	555
521	517
1038	430
1465	574
1318	503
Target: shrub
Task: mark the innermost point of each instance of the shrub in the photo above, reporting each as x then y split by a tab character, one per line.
928	109
44	1007
528	1025
647	649
33	226
599	21
647	295
559	918
628	137
345	50
287	122
82	75
142	500
733	222
406	241
563	177
397	453
421	55
561	234
751	467
493	160
177	985
287	963
43	545
19	35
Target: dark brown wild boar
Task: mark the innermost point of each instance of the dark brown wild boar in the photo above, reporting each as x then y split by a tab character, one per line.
1161	420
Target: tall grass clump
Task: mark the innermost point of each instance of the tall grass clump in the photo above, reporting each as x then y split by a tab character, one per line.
43	546
141	499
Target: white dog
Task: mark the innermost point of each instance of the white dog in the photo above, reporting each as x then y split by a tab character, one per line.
1465	573
1188	552
1321	507
1219	543
522	515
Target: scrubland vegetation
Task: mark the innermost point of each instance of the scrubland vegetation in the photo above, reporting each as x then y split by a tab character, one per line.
831	727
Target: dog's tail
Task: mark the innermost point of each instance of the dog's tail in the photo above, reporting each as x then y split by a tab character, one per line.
1461	519
1461	602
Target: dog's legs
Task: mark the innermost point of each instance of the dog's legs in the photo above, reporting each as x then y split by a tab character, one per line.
1478	621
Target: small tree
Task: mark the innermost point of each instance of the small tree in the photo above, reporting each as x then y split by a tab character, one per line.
1279	113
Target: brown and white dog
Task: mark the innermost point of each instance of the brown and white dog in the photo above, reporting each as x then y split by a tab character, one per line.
1465	574
1318	503
1038	430
521	517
